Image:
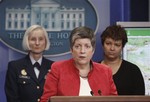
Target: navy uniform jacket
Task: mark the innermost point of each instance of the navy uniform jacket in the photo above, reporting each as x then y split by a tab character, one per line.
21	83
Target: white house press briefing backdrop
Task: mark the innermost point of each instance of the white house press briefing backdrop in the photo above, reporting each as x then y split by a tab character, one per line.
59	17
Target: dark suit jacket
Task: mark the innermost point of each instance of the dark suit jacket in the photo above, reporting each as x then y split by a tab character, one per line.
21	83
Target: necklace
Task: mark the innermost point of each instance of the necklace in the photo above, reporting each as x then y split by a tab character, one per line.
115	66
83	76
84	73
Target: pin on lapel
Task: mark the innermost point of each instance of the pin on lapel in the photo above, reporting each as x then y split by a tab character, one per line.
23	72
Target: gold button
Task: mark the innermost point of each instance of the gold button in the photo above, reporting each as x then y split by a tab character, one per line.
38	87
24	82
38	100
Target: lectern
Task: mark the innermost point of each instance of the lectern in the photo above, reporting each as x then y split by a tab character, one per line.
100	99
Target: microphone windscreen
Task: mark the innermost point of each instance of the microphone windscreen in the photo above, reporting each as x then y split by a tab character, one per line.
92	93
99	92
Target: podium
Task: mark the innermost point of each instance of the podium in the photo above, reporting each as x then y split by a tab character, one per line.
100	99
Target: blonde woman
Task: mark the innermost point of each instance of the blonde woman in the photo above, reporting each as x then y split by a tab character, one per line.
24	78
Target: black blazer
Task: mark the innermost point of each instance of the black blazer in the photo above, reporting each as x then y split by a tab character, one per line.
21	83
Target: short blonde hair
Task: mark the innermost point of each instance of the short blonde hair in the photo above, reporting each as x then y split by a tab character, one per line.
25	42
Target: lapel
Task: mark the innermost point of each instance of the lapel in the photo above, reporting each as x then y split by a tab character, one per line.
30	69
44	69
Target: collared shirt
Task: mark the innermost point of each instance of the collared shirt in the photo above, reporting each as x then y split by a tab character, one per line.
35	69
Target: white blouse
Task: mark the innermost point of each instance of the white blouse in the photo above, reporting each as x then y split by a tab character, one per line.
84	87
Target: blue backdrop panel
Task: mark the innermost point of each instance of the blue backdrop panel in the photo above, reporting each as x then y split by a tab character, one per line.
102	9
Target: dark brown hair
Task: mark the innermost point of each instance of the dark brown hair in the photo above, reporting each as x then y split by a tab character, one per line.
115	32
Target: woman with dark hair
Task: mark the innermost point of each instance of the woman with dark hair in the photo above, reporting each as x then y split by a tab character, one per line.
127	76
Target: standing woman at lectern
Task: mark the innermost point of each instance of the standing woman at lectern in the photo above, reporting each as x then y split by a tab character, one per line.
79	76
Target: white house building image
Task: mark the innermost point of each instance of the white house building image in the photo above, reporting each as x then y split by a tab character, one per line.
50	14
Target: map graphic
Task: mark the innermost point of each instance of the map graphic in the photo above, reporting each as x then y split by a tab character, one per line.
137	51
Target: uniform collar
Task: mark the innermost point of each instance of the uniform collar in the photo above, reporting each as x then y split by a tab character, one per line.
33	61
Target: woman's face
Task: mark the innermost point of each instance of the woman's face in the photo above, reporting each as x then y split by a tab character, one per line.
82	51
37	41
112	48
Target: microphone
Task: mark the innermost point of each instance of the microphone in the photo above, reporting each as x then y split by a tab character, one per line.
99	92
92	93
